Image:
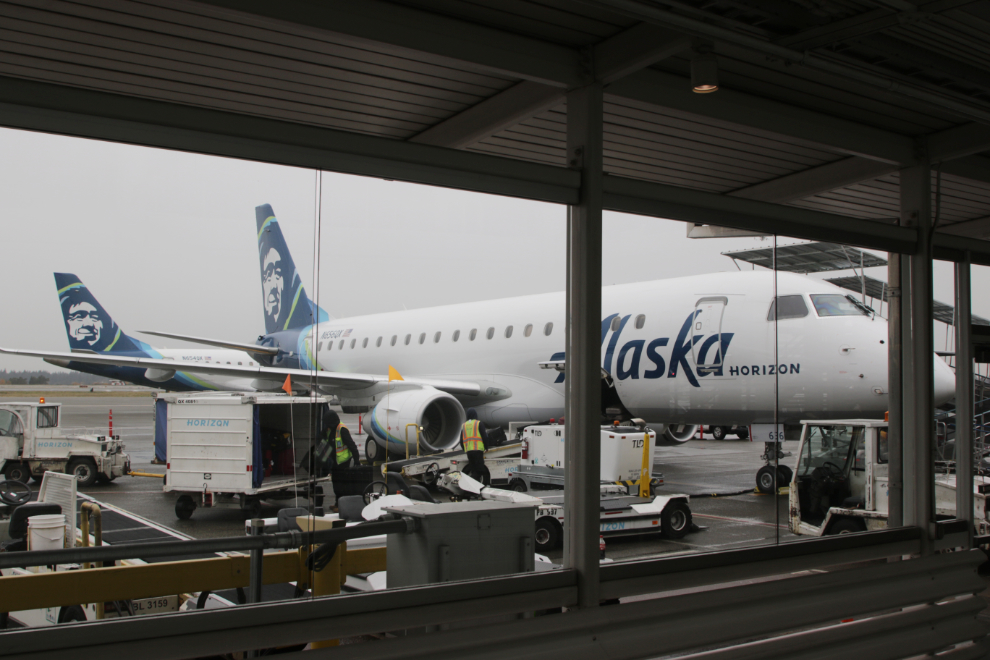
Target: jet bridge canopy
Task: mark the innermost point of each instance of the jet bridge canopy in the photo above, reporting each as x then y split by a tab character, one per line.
815	257
877	289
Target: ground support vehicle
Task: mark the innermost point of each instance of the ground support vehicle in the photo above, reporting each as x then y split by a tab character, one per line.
428	469
32	443
232	449
625	454
840	481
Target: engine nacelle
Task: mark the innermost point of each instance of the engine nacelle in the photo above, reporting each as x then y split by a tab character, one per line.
440	415
158	375
677	434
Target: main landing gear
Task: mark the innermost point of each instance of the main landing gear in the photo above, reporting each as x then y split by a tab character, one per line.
773	475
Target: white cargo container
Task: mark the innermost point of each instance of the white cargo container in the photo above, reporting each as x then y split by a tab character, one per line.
235	449
621	449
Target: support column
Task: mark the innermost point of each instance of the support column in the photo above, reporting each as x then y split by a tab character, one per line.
895	479
583	342
964	396
919	409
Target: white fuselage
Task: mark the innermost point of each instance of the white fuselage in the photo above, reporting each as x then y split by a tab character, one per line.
210	356
796	368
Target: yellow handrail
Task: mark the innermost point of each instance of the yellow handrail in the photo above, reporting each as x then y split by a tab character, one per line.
418	429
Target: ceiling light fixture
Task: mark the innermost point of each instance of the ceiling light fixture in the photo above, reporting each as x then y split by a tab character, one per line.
704	73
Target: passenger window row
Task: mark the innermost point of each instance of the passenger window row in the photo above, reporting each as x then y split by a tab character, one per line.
472	335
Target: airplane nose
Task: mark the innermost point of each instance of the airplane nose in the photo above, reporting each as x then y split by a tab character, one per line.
945	382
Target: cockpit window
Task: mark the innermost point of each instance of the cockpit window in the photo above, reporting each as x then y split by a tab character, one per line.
791	307
836	304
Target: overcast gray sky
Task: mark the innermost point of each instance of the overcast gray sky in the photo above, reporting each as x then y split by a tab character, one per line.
165	240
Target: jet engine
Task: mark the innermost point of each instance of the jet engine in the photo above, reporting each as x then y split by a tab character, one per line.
677	434
158	375
439	416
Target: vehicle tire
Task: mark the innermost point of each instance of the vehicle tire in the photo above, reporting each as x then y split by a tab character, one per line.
547	535
518	485
784	475
71	613
766	480
845	526
718	432
675	520
184	507
17	472
372	451
743	433
84	470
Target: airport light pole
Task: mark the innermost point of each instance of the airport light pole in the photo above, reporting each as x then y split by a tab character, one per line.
583	342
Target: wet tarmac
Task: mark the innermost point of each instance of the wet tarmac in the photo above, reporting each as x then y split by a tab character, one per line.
734	517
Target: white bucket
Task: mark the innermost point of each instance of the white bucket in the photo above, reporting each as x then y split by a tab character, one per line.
46	532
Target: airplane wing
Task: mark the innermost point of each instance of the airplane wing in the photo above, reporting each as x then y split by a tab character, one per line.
340	383
233	345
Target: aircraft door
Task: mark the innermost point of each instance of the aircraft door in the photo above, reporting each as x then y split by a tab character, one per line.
707	350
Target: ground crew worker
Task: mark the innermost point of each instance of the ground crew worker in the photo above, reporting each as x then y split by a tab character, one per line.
474	439
336	450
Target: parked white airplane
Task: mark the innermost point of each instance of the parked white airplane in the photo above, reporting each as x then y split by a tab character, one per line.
91	329
686	351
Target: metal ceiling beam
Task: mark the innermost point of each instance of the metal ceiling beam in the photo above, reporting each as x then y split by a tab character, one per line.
925	58
815	180
37	106
663	201
614	58
976	168
958	141
976	228
830	63
771	118
866	23
424	36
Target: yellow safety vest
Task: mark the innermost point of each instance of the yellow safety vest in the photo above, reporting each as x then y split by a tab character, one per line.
471	434
343	453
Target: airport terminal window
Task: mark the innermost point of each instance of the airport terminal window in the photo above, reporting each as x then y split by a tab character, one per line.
508	331
548	328
836	304
422	337
490	333
615	323
457	335
436	338
408	339
640	321
47	417
364	344
473	334
528	330
791	307
379	342
394	338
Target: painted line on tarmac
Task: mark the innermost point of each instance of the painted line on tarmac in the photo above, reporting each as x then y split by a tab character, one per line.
743	521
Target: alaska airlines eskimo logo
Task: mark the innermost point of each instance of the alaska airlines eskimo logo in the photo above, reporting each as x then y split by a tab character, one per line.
628	363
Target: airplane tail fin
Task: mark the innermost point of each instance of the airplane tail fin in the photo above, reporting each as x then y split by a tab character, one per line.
87	323
284	298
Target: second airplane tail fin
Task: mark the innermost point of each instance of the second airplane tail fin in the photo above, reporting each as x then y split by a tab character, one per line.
284	298
87	324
